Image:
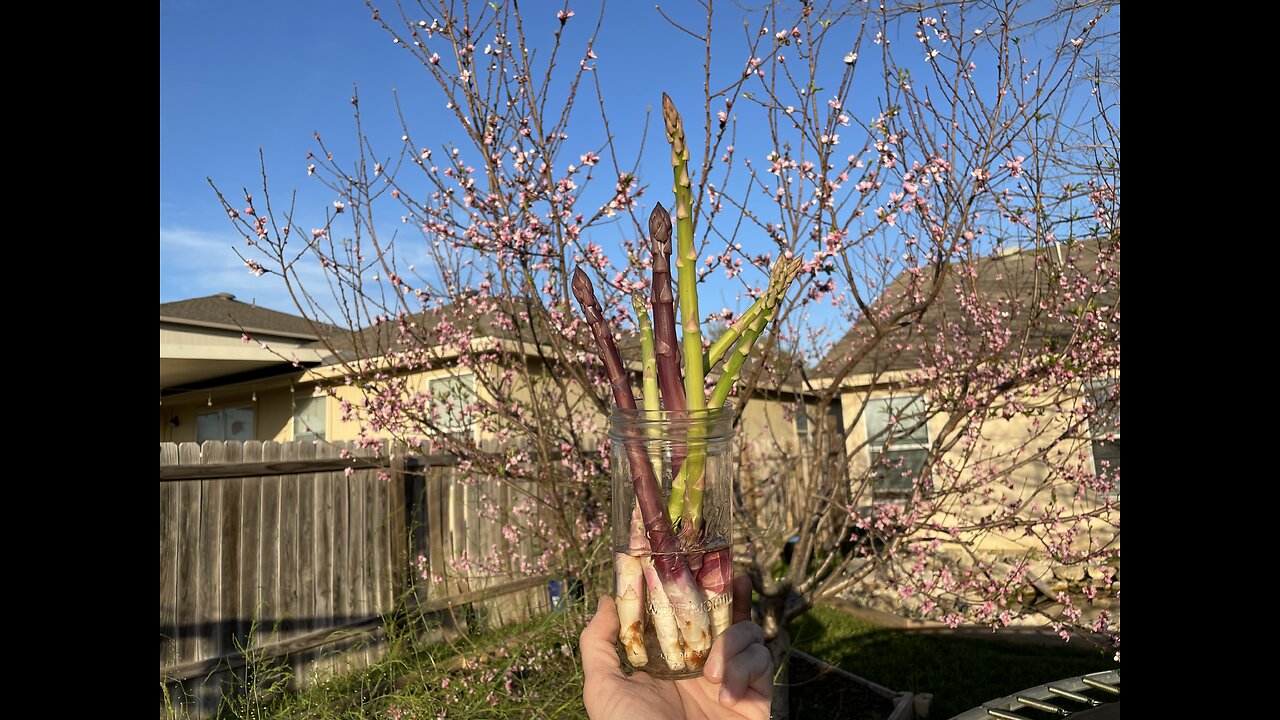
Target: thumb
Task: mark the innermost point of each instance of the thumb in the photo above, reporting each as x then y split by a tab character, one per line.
596	642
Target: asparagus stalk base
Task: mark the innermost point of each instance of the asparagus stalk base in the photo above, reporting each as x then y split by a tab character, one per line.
666	630
630	600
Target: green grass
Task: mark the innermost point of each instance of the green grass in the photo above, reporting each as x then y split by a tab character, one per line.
527	671
960	672
534	671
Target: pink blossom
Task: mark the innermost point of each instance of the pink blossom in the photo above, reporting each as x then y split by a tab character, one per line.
1014	166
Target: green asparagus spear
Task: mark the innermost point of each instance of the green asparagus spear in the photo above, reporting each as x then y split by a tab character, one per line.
649	373
686	259
784	273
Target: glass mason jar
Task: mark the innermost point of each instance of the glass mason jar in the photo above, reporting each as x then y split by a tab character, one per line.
672	535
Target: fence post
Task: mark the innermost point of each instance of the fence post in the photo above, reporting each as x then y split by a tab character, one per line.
405	480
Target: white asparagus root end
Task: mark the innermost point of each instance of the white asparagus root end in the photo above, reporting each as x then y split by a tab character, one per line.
664	618
630	603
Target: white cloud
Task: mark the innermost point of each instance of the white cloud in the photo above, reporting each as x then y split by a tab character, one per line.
196	263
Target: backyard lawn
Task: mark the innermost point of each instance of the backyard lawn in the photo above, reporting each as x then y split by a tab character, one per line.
534	671
961	672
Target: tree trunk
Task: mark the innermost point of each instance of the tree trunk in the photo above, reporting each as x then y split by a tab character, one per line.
778	641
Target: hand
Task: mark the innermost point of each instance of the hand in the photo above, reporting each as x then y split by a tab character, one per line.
736	682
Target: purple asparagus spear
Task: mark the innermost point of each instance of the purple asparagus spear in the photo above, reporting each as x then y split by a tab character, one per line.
678	582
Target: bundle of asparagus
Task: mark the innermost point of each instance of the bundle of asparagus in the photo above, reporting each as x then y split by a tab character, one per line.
667	575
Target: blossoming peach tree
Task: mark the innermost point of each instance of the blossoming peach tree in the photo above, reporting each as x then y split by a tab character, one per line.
944	185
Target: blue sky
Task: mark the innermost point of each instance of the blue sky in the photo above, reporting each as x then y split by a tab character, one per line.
238	76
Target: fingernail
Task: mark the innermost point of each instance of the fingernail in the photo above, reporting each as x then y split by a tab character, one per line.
726	697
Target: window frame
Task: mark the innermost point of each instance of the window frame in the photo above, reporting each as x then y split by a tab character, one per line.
877	447
223	419
306	433
1104	432
466	421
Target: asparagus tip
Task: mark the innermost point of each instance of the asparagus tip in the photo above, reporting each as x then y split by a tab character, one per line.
671	119
582	288
660	230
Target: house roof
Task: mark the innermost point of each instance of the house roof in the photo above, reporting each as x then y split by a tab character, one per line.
224	312
1013	281
492	317
200	343
480	317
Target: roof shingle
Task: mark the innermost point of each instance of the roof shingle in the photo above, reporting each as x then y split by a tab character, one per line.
1013	282
224	311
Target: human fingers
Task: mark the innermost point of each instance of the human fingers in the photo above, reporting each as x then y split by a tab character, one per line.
741	598
596	642
750	670
728	646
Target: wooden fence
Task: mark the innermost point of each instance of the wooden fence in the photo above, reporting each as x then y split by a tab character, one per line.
290	550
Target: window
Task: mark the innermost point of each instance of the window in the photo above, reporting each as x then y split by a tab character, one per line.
225	424
898	439
802	423
310	417
1104	429
806	420
451	398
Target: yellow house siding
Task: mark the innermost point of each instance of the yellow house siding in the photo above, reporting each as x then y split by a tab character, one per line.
1004	442
275	415
339	429
272	411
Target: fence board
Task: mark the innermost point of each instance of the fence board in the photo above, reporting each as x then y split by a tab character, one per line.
429	519
170	541
289	588
400	502
250	546
269	491
190	613
208	694
392	502
234	624
372	558
306	606
355	549
325	565
209	602
374	518
458	530
341	601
